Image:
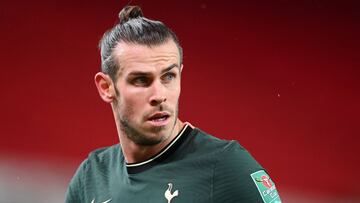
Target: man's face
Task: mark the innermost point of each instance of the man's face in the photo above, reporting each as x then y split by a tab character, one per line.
147	91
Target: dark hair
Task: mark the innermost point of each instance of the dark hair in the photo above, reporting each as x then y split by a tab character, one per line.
133	28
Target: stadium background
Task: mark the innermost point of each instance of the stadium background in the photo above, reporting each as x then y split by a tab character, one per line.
282	77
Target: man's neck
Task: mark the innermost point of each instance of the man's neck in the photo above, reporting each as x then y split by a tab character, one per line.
135	153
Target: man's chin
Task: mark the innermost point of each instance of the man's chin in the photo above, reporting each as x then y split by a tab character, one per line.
157	129
148	141
154	136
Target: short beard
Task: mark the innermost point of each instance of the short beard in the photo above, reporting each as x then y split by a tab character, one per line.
142	139
136	136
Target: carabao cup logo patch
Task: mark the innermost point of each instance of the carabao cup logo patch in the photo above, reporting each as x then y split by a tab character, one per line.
265	181
266	187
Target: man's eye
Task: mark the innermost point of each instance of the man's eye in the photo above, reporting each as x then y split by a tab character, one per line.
169	76
141	81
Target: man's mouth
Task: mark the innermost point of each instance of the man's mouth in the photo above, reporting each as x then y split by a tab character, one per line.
159	118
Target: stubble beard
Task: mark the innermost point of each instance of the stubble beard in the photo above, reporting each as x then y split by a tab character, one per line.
140	138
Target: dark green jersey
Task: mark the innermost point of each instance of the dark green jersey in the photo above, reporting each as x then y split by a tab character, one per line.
194	167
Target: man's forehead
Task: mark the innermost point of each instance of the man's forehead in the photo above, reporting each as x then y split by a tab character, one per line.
140	51
136	55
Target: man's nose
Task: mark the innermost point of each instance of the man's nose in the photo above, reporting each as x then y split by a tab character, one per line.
157	93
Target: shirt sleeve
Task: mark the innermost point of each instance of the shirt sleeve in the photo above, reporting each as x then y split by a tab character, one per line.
75	190
234	179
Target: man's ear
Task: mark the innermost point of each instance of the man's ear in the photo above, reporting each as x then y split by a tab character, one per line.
105	87
181	67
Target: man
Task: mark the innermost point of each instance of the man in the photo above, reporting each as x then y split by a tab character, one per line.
159	158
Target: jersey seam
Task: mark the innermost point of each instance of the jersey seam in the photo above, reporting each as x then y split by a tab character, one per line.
83	179
212	183
227	147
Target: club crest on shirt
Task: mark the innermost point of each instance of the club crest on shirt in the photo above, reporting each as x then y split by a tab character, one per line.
170	195
266	187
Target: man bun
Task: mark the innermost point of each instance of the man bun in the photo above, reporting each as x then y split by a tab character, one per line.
130	12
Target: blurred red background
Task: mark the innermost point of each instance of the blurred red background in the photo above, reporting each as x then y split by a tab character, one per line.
282	77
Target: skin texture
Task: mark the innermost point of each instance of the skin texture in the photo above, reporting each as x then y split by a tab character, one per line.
144	97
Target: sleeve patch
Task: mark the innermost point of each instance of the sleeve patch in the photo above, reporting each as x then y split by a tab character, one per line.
266	187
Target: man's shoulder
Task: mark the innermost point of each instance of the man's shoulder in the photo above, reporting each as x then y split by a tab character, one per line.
104	152
94	171
215	143
102	157
237	176
225	152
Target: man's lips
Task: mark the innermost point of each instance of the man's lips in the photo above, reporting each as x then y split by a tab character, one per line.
159	119
159	116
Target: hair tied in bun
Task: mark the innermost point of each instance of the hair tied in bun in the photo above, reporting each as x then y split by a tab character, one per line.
130	12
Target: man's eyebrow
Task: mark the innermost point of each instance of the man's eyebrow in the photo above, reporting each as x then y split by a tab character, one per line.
142	73
169	68
139	73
